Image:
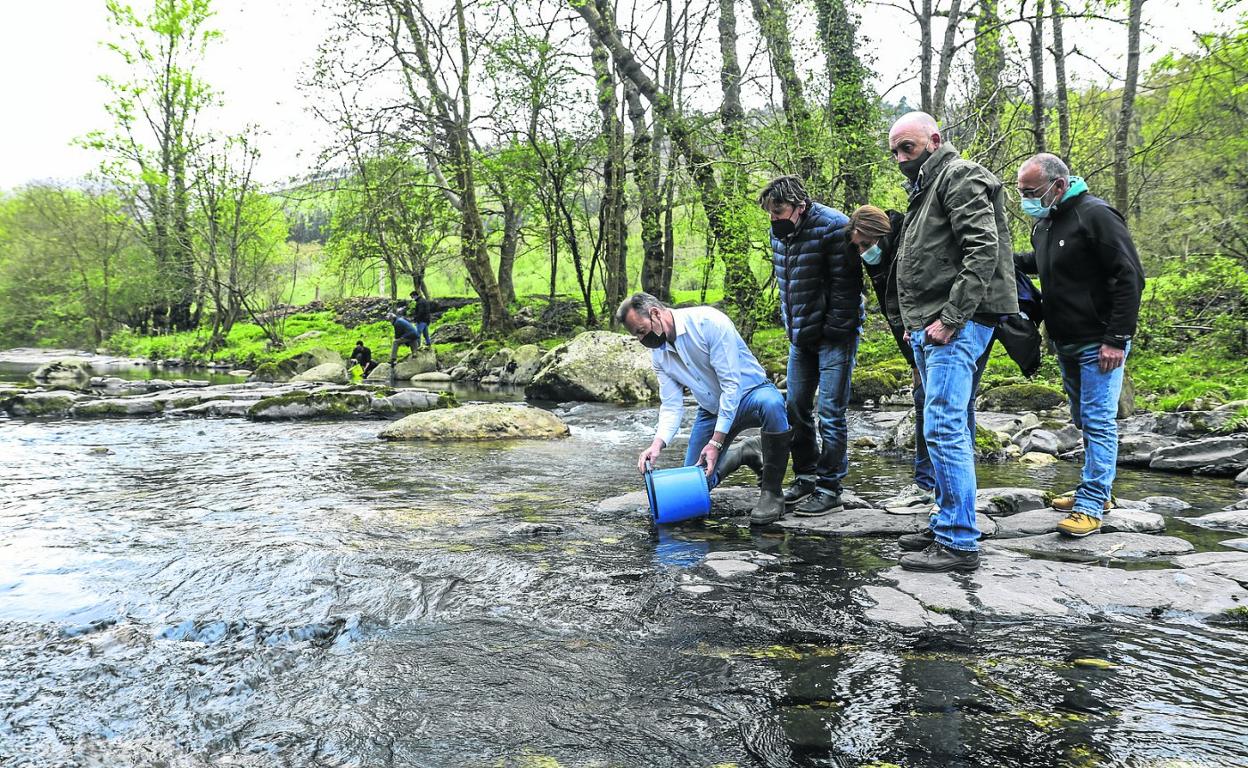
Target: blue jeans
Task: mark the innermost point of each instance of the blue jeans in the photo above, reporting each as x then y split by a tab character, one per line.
949	376
1094	409
422	330
762	406
924	475
829	368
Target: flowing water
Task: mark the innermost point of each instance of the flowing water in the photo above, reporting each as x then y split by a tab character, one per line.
222	592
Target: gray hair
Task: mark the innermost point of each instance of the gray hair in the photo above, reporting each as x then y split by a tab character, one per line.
784	190
1050	164
640	302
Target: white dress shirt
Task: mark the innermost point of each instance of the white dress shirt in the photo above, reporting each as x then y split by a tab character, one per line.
710	358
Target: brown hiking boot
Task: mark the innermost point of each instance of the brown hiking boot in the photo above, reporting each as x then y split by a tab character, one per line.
1079	525
1066	503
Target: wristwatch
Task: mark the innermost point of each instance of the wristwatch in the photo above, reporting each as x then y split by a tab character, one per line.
718	445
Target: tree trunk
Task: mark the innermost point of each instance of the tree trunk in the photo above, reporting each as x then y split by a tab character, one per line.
646	175
1038	118
851	110
1122	137
989	65
1059	66
925	57
512	219
947	50
611	210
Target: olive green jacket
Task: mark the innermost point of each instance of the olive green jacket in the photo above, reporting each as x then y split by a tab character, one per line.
955	259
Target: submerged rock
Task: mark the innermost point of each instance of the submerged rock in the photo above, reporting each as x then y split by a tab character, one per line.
41	404
489	421
597	366
1229	520
308	405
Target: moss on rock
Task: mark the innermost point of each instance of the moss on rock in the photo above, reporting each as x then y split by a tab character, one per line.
872	384
1022	397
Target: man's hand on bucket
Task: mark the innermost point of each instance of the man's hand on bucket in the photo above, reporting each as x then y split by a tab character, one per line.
650	455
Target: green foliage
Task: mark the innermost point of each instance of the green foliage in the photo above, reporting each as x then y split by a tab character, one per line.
1197	301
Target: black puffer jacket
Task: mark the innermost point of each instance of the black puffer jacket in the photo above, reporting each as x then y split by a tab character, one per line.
880	275
820	280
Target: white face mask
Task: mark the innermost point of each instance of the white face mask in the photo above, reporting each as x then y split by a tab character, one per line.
872	255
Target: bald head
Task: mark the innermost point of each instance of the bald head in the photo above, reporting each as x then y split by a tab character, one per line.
911	134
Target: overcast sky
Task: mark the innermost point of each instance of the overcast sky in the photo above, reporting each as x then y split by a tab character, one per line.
50	57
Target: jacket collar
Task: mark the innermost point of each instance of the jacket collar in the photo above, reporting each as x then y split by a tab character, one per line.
943	154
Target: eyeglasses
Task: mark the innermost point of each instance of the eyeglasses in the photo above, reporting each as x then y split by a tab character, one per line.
1034	192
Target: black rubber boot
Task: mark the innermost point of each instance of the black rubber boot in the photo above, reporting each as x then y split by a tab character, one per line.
747	452
775	453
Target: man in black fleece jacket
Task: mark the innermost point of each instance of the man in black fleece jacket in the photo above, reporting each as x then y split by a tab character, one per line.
1092	280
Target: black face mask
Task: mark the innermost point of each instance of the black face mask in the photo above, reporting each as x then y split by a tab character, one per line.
911	168
653	340
783	228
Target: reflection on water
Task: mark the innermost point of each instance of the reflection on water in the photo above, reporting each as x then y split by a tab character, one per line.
226	592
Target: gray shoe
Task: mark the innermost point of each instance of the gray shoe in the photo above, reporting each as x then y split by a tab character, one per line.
913	495
938	558
820	503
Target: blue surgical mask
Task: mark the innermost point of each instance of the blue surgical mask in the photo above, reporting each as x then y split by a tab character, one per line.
872	255
1034	206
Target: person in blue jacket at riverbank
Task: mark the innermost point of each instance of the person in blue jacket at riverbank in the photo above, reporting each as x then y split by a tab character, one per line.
404	333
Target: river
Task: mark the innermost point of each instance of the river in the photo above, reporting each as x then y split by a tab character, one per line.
223	592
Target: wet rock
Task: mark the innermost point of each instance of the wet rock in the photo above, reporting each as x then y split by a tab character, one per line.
1009	501
1102	546
329	373
410	401
1242	477
524	365
432	377
736	563
1136	449
1230	520
121	406
218	408
311	405
1037	459
1201	559
894	607
627	502
534	529
1210	456
1241	504
1052	442
489	421
901	436
418	362
597	366
49	403
1022	397
1167	503
68	373
1018	586
1125	520
1033	522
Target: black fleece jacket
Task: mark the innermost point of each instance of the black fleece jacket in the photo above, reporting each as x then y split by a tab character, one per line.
1089	271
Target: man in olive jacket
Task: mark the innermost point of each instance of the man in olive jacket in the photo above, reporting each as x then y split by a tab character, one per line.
955	279
820	287
1092	281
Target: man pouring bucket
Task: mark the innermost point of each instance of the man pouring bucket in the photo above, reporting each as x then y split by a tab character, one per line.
699	348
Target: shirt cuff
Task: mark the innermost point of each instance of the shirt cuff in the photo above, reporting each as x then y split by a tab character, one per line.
723	424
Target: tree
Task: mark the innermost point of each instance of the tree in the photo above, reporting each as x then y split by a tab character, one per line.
153	139
1122	137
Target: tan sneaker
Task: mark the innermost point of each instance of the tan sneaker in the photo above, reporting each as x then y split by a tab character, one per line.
1067	503
1078	525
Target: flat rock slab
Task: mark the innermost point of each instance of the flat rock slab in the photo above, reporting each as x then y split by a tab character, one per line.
1102	546
1015	586
871	522
1200	559
1040	521
737	563
1166	503
1230	520
730	501
1235	544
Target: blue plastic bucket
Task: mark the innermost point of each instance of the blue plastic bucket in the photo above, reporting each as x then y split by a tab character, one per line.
677	494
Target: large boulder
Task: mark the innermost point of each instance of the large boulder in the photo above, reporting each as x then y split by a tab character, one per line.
1182	424
488	421
872	384
1210	456
329	373
1136	449
63	374
1022	397
420	361
451	332
597	366
413	401
524	365
307	360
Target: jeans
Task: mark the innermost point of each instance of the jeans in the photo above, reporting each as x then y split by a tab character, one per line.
762	406
924	475
948	372
412	342
1094	409
422	330
829	368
